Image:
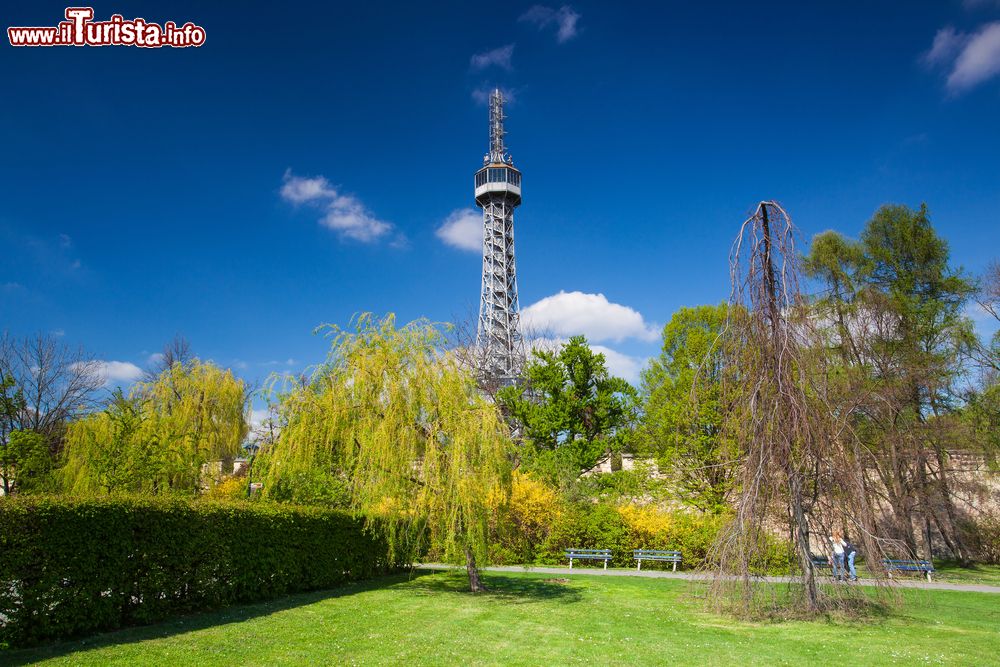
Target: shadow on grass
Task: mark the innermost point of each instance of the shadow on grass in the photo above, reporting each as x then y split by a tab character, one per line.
190	623
509	589
773	603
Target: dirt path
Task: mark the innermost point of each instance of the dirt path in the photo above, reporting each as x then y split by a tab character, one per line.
658	574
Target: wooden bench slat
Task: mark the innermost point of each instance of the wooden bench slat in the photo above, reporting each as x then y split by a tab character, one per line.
664	555
904	565
820	561
588	554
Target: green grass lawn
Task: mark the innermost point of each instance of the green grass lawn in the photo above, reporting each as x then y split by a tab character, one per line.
947	572
532	619
977	574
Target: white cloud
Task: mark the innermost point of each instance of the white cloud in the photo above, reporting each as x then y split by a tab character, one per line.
258	417
970	58
299	190
978	61
947	43
462	229
345	214
259	424
574	313
275	362
621	365
499	57
564	19
618	364
117	372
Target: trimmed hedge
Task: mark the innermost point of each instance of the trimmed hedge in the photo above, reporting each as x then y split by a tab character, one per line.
69	567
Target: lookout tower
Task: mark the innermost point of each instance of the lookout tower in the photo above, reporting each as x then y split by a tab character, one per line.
500	347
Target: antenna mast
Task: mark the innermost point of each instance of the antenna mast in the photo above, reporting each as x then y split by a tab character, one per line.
498	152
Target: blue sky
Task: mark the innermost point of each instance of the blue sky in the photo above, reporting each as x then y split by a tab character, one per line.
312	161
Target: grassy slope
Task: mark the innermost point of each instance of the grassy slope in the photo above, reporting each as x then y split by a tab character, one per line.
526	620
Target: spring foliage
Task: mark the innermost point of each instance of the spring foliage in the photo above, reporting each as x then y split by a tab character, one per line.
158	438
403	428
687	436
570	410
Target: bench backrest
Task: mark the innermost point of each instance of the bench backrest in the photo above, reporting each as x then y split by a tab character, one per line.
588	552
653	553
908	564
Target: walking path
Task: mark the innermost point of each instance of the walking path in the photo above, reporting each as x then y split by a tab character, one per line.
657	574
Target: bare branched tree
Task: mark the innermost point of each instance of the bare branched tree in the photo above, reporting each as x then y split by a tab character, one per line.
989	291
176	351
799	471
44	384
988	296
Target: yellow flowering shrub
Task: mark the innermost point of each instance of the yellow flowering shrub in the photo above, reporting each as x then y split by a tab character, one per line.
231	488
525	520
647	524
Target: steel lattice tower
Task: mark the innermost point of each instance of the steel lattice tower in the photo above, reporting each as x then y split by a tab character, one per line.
499	344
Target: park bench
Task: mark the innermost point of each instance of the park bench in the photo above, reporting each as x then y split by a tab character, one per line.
588	554
650	554
821	561
923	566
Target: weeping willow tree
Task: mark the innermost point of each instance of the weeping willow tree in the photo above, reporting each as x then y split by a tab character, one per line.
800	469
160	437
404	428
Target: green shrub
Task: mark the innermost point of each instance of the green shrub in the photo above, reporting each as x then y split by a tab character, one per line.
983	533
588	526
624	528
69	567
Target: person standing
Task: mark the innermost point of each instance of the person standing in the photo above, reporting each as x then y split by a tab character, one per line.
850	551
838	543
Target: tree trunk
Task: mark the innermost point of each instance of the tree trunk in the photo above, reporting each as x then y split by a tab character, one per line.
475	583
796	502
953	537
900	500
802	535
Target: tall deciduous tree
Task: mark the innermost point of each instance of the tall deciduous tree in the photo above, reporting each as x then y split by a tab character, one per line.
406	430
44	384
570	411
686	435
159	438
896	306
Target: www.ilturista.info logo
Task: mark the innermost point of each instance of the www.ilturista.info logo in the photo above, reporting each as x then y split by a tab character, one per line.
79	29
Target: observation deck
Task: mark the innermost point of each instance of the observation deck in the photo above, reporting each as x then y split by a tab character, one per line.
498	180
